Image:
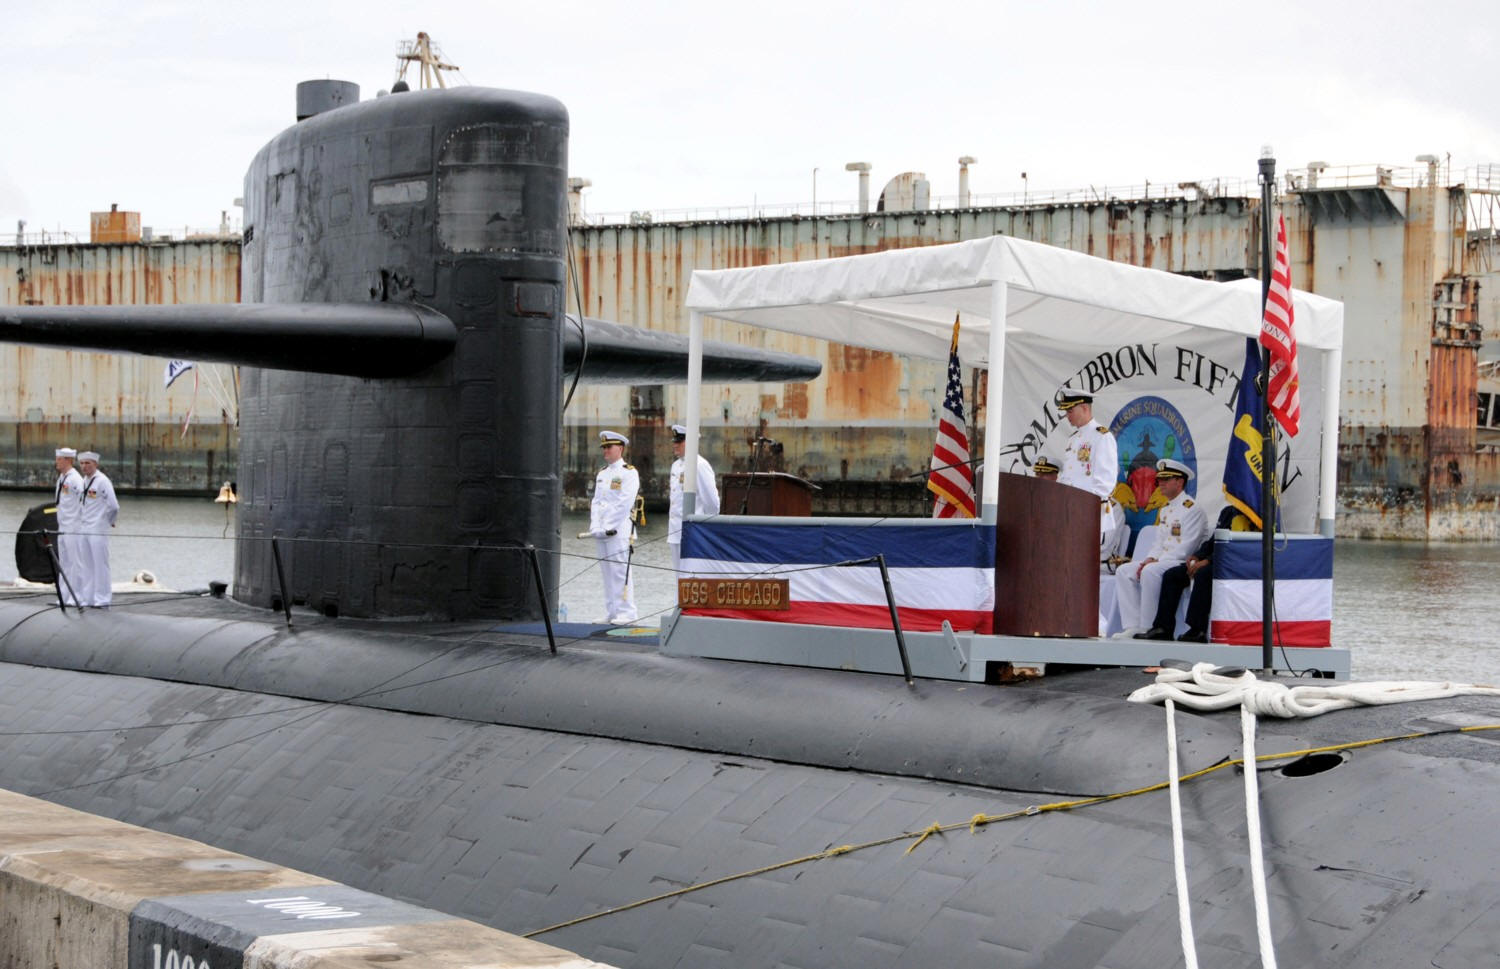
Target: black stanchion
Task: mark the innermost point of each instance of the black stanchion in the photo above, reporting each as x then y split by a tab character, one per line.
286	600
60	578
541	593
890	600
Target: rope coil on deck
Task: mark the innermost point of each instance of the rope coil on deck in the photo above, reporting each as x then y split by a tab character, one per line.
1209	687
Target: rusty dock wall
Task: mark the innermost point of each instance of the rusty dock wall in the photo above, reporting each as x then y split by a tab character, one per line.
115	404
1400	253
1411	254
863	430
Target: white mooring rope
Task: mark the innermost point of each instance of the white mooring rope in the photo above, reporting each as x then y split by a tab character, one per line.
1203	688
1200	688
1179	853
1252	822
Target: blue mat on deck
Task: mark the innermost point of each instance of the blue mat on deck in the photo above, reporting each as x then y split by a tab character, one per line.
585	630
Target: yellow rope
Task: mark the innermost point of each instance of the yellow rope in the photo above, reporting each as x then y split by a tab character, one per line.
927	832
980	820
829	853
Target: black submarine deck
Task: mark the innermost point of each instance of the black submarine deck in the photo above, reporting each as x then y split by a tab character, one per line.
463	767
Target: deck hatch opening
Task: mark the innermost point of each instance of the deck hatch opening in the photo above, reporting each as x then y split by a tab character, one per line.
1312	764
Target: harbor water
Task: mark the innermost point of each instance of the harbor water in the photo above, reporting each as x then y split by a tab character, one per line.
1405	610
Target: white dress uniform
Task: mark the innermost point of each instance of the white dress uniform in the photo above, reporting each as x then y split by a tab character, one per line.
615	488
68	495
705	503
1091	461
98	508
1112	539
1180	529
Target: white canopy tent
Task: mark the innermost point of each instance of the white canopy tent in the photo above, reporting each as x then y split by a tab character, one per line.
904	301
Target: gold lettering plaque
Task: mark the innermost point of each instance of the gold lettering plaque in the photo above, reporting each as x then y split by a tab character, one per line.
733	594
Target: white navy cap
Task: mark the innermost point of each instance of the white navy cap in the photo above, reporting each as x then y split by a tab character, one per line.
1067	398
89	456
1167	468
67	452
679	433
606	438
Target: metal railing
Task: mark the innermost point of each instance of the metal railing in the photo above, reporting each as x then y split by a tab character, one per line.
1482	178
80	237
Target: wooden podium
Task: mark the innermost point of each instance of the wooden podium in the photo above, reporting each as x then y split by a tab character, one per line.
769	493
1046	559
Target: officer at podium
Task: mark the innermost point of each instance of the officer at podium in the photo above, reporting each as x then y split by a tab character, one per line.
1091	460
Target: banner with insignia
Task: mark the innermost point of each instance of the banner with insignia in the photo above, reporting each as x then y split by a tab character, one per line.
1161	399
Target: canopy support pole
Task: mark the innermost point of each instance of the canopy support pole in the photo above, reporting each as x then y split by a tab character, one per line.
994	394
694	407
1328	468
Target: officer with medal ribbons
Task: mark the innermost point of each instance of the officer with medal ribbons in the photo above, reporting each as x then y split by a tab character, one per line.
98	508
68	495
1180	528
615	489
1091	460
707	493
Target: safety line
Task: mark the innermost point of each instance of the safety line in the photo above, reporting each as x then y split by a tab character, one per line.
981	820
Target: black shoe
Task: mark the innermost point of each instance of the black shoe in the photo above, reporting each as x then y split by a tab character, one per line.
1193	636
1155	632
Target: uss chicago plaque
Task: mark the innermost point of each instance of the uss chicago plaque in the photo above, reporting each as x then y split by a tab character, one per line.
719	593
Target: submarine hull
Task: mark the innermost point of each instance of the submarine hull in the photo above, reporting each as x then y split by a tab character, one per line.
535	801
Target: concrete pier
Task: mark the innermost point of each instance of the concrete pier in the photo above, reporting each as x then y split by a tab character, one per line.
79	891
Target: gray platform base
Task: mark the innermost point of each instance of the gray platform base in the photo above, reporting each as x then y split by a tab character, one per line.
961	656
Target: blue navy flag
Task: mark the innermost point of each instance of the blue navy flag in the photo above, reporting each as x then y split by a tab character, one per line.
1242	465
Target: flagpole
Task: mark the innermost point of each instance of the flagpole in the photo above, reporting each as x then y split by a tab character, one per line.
1268	447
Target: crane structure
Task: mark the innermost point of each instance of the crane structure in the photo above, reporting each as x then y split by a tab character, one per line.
424	52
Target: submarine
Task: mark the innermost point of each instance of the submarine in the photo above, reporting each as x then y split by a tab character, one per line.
412	734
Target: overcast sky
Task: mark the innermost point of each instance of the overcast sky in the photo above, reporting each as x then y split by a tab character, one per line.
159	105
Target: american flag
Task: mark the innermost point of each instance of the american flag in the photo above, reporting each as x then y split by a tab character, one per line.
952	478
1277	337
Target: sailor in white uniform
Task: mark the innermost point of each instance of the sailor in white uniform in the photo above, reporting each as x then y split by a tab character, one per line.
1091	460
615	488
98	508
706	501
67	495
1180	528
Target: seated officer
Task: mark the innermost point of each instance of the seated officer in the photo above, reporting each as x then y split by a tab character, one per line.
1197	570
1180	527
